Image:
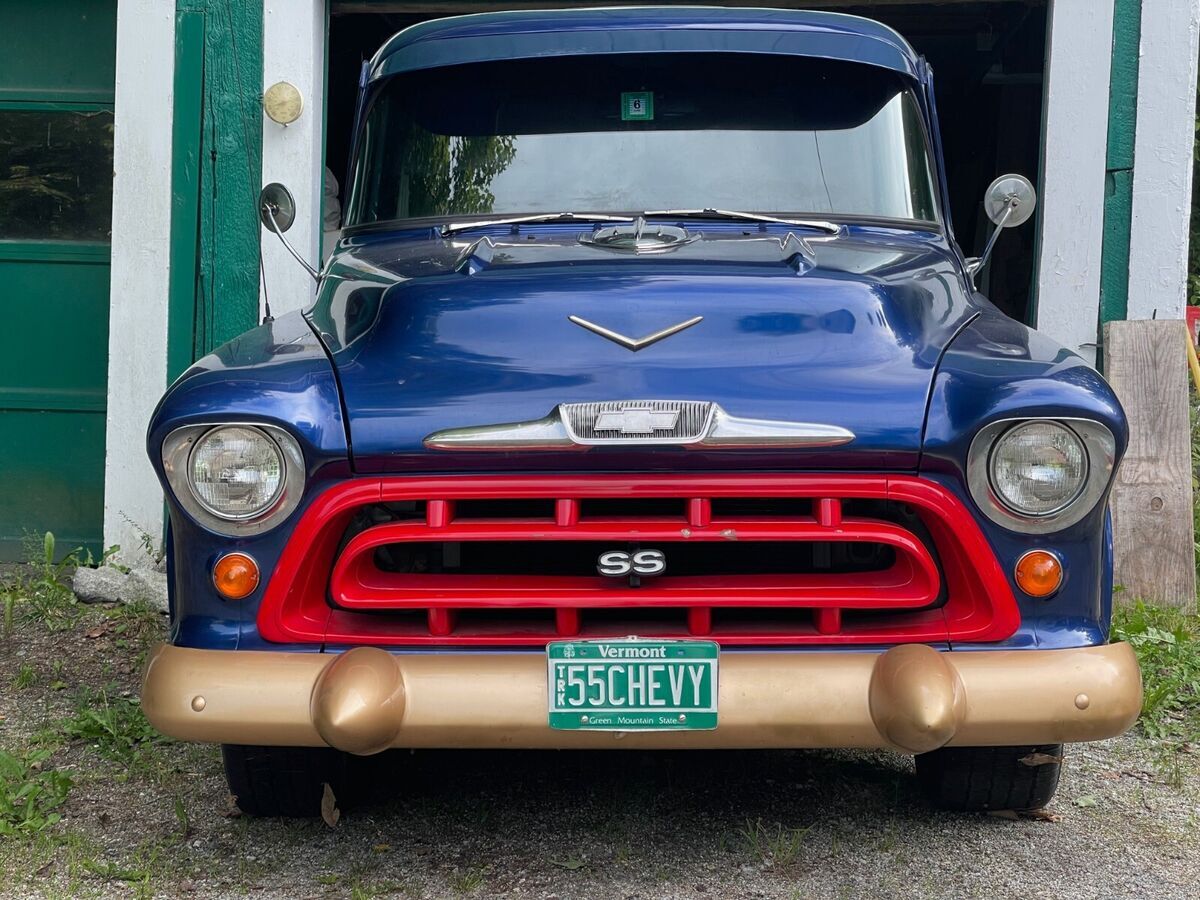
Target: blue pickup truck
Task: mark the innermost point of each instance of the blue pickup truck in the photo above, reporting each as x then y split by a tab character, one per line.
646	402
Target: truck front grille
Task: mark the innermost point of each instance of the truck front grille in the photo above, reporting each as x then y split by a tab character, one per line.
750	560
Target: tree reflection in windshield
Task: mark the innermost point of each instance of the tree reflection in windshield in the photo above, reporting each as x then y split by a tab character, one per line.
452	173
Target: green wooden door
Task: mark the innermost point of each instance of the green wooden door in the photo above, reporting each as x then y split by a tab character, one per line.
56	139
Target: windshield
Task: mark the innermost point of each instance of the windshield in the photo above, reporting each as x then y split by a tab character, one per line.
604	134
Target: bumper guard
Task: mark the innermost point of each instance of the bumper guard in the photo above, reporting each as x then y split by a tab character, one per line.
911	698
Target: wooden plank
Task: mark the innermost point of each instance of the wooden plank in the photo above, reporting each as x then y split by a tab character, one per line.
1146	363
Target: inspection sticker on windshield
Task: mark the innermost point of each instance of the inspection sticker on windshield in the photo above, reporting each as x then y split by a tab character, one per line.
633	685
637	106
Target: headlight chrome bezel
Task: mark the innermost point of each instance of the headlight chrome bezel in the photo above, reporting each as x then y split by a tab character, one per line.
177	455
1099	448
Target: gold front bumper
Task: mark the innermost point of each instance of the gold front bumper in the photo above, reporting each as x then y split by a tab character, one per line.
911	697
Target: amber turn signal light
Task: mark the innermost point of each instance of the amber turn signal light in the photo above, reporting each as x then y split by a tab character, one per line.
1039	573
235	576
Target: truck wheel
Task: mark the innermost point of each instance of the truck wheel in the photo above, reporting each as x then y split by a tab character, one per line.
976	779
285	781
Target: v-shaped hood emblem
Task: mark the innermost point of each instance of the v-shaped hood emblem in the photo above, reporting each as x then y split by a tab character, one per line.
634	344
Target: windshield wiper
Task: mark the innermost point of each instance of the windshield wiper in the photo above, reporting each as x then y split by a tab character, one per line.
818	224
455	227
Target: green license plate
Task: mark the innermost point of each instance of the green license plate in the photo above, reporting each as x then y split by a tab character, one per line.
632	685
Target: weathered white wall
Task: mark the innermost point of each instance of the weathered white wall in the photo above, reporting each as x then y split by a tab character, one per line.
141	234
294	51
1162	169
1075	145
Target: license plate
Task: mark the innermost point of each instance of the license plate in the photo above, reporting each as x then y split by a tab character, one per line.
632	685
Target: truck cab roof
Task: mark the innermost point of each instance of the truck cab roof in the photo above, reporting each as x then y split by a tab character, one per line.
584	32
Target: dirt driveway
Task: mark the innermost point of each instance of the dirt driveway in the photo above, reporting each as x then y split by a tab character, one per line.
145	818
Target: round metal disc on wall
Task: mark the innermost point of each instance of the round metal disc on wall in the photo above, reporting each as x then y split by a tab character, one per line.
283	103
1007	188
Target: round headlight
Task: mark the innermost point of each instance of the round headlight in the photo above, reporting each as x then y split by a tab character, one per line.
236	472
1038	468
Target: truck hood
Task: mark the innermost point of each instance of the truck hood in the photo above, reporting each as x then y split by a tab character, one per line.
429	334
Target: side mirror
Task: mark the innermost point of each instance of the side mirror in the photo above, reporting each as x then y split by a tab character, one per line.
1009	202
277	212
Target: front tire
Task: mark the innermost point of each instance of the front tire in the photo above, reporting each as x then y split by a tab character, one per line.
980	779
285	781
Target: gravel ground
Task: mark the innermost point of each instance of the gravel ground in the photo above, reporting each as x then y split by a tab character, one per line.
565	825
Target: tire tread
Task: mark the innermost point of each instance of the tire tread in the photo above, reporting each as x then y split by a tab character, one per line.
989	778
283	781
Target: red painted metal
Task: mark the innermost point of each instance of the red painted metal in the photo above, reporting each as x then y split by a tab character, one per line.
828	620
567	621
438	513
566	512
470	610
699	620
441	620
912	582
829	512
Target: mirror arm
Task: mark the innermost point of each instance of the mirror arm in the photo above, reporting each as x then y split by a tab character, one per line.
269	210
975	265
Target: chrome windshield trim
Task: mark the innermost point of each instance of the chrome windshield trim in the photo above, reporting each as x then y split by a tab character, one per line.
721	431
737	215
453	227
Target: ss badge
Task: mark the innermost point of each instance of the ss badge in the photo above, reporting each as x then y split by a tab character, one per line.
640	562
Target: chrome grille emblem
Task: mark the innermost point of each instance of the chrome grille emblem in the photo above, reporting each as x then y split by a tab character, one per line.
619	563
636	420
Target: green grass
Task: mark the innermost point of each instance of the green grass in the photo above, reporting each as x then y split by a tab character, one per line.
114	725
468	881
772	845
38	590
25	677
29	793
1167	642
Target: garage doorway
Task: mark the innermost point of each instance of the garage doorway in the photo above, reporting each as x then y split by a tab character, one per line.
988	60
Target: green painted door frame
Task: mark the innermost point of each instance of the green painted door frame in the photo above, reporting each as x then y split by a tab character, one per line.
1118	193
57	78
215	173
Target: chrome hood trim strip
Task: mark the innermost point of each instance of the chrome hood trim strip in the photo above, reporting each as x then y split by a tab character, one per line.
634	344
720	431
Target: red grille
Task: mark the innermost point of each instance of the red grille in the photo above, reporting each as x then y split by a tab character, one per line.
319	593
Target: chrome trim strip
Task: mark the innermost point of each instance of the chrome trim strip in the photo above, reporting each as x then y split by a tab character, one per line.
541	434
176	456
634	344
722	431
1101	449
733	431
